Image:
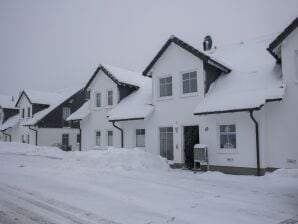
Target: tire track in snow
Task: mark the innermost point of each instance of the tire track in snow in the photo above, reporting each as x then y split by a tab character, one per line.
49	206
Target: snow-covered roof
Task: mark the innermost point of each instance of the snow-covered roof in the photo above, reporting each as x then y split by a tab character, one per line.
80	113
254	80
7	102
57	98
119	75
137	105
11	122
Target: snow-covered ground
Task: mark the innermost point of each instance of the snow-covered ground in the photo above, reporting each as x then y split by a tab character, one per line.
44	185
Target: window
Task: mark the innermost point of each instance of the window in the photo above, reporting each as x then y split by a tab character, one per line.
65	139
23	139
97	138
0	118
166	142
97	100
165	86
5	138
28	139
140	137
110	138
227	136
110	98
87	95
78	138
28	112
23	112
189	82
66	113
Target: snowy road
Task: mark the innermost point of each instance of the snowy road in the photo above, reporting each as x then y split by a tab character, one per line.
39	188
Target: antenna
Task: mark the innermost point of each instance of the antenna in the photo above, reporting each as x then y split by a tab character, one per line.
207	43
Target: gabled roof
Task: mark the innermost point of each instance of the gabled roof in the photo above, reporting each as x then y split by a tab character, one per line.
136	106
188	48
255	80
80	113
38	97
61	96
11	122
279	39
120	76
6	102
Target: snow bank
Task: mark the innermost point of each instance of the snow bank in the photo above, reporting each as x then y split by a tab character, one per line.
119	159
111	159
287	173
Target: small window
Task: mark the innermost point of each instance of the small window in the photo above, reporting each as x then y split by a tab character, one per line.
23	139
5	138
110	138
227	136
97	138
165	86
87	95
28	112
23	112
110	98
66	113
140	137
28	139
189	82
78	138
65	139
97	100
166	142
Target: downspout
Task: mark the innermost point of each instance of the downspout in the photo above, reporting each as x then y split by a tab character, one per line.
3	132
121	130
35	130
257	141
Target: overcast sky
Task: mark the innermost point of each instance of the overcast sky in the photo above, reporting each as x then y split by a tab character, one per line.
48	45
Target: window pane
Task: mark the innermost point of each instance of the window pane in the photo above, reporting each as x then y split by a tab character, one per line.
162	81
110	138
169	79
223	141
169	89
162	90
232	141
97	138
222	128
98	100
110	98
186	87
232	128
185	76
140	137
193	85
193	75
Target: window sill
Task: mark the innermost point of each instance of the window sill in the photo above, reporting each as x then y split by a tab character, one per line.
186	95
226	151
97	108
165	98
109	107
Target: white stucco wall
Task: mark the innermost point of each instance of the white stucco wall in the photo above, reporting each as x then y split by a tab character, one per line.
176	111
97	120
282	117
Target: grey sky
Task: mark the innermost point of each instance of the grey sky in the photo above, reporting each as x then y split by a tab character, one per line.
47	45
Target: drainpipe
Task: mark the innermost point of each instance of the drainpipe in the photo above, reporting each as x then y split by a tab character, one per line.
80	146
121	130
257	142
3	132
35	130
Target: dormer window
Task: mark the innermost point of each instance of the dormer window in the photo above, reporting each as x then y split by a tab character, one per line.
189	82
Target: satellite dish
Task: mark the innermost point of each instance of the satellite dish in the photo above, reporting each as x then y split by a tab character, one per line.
207	44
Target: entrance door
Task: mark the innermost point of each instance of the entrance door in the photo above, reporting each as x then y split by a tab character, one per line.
191	137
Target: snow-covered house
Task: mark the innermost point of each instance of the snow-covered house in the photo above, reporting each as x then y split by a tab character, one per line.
115	94
8	115
249	117
42	118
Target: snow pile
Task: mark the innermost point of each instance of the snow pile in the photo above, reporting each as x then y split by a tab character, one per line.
31	150
285	173
119	159
80	113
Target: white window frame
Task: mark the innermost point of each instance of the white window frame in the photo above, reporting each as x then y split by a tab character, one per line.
136	139
158	87
107	98
95	100
181	83
107	137
100	139
226	150
158	134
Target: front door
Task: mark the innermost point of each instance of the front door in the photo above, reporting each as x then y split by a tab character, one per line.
191	137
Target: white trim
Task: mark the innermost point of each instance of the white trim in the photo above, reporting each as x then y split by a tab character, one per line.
192	94
100	139
107	96
158	137
107	138
95	107
135	137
